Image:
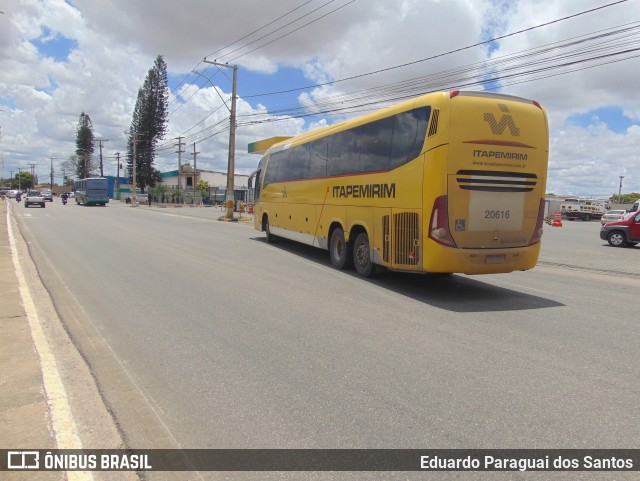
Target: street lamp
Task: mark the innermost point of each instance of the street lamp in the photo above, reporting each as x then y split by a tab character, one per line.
232	140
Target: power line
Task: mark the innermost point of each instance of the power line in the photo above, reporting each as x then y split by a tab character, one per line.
284	26
450	52
259	29
259	47
595	49
175	89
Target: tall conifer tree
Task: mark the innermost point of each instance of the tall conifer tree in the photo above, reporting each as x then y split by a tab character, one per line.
149	124
84	147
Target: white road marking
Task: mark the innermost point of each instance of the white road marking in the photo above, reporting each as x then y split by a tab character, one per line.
64	427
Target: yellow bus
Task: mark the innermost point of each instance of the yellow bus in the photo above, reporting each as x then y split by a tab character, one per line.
450	182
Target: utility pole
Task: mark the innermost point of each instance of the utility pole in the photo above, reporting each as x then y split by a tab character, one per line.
134	201
1	150
179	152
232	140
195	168
52	173
620	189
100	142
118	175
33	175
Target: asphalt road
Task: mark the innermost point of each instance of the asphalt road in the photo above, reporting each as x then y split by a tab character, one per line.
229	342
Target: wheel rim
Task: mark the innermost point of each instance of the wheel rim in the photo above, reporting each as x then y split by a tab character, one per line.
616	239
338	248
362	255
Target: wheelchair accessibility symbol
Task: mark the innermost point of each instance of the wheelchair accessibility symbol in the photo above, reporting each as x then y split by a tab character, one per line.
460	225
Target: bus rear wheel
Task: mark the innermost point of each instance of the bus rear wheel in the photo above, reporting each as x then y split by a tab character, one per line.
339	250
362	256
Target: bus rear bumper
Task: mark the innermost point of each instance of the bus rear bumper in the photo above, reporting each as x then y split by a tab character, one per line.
439	258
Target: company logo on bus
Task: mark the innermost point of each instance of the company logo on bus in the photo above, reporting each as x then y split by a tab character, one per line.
366	191
506	121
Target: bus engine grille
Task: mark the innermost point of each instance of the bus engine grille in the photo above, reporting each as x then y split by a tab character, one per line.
386	239
406	238
496	181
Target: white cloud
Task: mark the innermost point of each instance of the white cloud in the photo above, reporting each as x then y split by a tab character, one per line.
117	42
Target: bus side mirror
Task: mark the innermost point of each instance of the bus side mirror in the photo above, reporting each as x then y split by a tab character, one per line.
251	177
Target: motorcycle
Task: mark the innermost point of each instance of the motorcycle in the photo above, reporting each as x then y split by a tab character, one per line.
64	201
18	197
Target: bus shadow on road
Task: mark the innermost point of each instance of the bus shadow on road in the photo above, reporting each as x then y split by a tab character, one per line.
457	293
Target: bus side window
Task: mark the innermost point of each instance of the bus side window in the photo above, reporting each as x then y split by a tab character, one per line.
375	145
283	161
409	131
318	153
271	172
298	163
344	153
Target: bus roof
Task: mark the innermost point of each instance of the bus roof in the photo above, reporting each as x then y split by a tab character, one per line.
432	98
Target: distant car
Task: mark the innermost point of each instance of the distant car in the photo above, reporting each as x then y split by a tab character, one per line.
140	198
612	216
34	197
11	194
47	195
622	232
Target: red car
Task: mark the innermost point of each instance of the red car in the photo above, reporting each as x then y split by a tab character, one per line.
622	232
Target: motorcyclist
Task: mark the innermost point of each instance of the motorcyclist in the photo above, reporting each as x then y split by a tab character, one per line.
64	197
19	196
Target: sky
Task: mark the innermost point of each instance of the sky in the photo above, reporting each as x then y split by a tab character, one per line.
303	64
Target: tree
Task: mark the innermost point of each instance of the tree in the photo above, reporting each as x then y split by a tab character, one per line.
84	147
149	124
625	198
22	180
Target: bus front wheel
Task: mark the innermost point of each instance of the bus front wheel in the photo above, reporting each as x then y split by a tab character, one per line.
362	256
267	230
339	250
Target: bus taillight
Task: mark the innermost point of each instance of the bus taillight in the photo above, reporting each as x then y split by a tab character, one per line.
439	225
537	234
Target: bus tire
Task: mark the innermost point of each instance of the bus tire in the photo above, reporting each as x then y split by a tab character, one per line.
362	256
267	230
339	251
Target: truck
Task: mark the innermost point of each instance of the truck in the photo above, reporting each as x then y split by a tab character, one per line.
585	210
